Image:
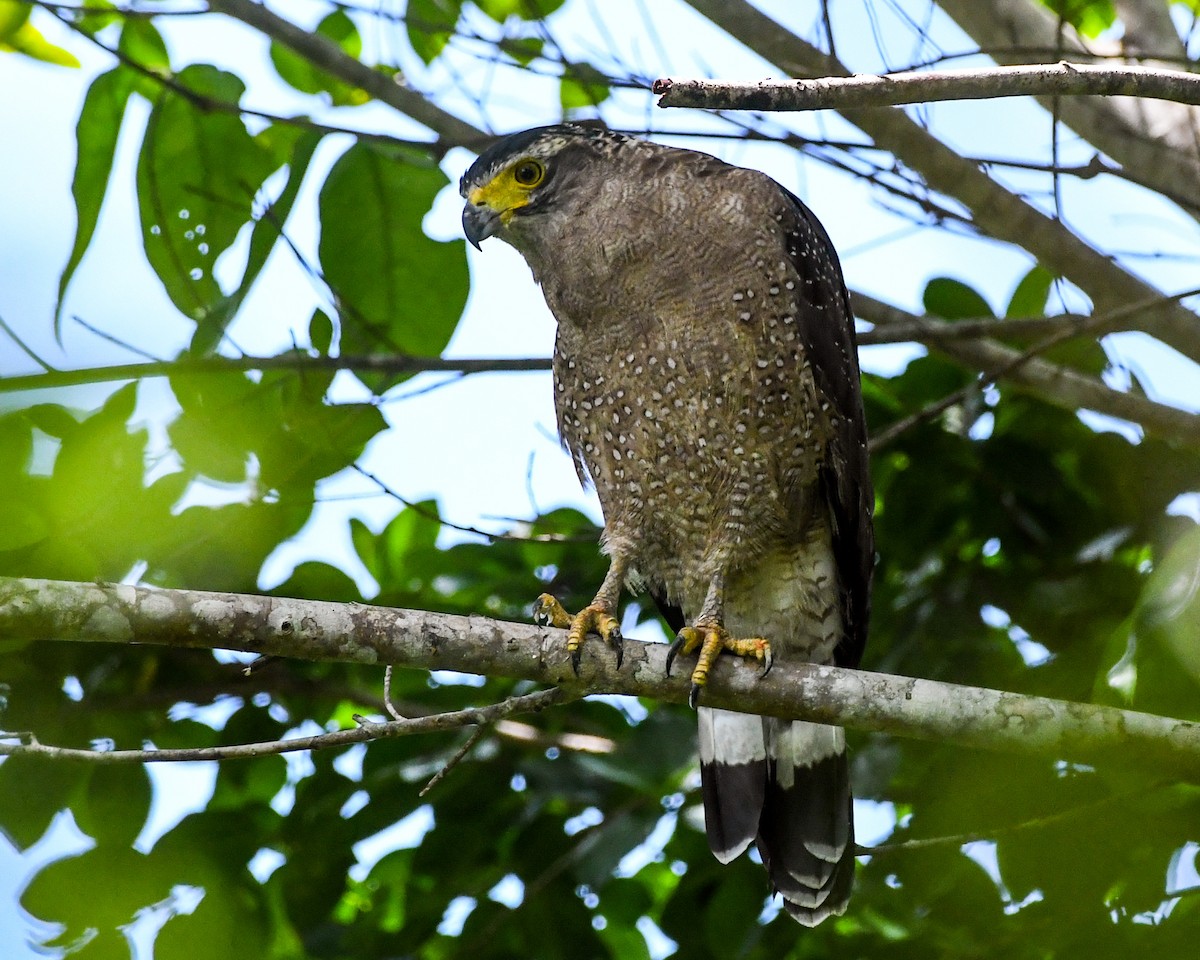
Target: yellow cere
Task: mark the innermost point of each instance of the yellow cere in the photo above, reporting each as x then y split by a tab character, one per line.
509	189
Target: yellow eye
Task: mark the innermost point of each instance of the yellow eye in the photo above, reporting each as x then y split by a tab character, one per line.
529	173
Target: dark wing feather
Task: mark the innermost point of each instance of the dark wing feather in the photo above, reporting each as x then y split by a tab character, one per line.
829	340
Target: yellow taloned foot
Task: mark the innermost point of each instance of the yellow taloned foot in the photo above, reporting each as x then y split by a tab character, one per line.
594	618
711	639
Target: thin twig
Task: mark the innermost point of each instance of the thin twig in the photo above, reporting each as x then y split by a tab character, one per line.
26	349
455	760
387	695
432	516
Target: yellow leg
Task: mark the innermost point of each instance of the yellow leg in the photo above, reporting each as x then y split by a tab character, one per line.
596	617
711	639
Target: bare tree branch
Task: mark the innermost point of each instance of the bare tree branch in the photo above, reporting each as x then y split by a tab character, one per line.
922	86
996	211
306	629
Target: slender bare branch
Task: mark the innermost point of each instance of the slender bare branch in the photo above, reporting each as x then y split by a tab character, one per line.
455	760
307	629
28	745
365	363
923	86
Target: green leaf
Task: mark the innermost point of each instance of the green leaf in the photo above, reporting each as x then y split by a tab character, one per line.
16	446
317	441
430	25
198	174
96	141
52	419
119	881
1170	605
300	73
13	16
952	299
97	15
18	35
319	581
524	50
1029	299
582	87
216	430
399	556
144	45
20	525
266	231
115	803
229	922
54	784
320	331
501	10
1090	17
397	290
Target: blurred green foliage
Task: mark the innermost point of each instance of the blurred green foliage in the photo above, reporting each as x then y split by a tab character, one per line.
1019	549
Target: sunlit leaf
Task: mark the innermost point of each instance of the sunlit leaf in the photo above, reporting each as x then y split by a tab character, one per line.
1090	17
18	35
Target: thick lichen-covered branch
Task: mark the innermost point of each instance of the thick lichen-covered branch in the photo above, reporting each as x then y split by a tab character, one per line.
48	610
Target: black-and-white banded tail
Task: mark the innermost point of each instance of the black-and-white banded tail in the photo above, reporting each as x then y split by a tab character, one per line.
784	785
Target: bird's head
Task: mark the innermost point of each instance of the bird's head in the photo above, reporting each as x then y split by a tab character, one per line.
528	175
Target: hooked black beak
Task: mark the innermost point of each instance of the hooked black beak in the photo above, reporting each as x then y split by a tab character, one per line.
479	222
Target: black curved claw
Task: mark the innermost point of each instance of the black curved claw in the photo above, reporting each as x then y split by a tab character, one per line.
575	655
540	616
694	695
618	641
673	652
769	661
